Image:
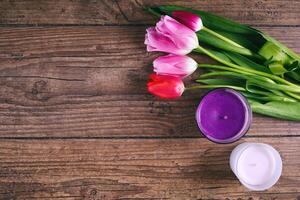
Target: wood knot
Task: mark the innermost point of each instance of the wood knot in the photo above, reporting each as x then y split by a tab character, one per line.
40	85
93	194
38	91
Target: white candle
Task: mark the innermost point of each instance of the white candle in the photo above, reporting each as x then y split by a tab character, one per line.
258	166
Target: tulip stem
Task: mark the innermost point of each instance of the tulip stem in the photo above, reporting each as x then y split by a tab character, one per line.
273	77
152	11
215	39
293	95
225	39
214	86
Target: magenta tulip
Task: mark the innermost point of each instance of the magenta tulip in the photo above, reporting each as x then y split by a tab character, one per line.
174	65
171	36
190	20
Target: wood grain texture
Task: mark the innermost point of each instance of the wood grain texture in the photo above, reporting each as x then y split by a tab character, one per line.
76	121
135	169
256	12
90	81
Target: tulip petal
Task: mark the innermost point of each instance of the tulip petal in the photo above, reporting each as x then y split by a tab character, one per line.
174	65
189	19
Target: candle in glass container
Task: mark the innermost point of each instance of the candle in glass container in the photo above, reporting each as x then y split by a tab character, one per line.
258	166
223	115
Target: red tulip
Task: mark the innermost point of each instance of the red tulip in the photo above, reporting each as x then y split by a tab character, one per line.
167	87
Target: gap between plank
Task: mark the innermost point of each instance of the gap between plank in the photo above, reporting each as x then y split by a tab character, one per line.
135	138
116	25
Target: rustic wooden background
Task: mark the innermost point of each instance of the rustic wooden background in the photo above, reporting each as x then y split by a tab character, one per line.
76	121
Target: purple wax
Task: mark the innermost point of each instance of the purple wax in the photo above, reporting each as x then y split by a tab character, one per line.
223	115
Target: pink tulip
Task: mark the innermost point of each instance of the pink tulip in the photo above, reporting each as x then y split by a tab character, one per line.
174	65
171	36
191	20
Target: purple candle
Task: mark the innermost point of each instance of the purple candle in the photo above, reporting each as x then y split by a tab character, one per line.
223	115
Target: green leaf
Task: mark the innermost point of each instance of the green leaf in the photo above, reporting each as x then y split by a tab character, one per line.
294	71
257	89
216	81
271	86
247	71
277	68
246	62
278	109
281	46
208	38
271	51
257	93
249	85
294	75
261	98
260	89
220	55
247	41
260	94
257	80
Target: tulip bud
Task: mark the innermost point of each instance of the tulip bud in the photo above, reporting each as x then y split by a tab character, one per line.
174	65
171	36
189	19
167	87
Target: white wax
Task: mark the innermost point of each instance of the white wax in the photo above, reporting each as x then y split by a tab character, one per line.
256	165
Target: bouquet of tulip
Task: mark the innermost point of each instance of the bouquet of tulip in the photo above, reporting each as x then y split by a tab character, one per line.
266	72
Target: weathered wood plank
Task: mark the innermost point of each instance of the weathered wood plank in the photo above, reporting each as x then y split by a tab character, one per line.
90	81
116	116
135	169
257	12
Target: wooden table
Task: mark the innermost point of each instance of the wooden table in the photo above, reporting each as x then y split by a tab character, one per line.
76	121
